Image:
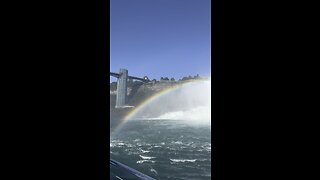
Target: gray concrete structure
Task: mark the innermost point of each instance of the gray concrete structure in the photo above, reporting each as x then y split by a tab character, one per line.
122	86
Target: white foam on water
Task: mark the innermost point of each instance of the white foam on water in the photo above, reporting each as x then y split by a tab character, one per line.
176	142
146	157
182	160
142	161
143	151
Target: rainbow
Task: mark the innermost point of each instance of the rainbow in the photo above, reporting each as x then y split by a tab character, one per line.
149	100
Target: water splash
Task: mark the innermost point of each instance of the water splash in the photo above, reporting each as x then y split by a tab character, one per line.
192	103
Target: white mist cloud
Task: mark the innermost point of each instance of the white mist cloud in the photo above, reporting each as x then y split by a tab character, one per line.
191	103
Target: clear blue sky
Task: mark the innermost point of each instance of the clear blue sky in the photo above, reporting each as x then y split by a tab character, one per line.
161	38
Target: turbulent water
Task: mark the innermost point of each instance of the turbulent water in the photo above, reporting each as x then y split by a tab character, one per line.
164	149
170	136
